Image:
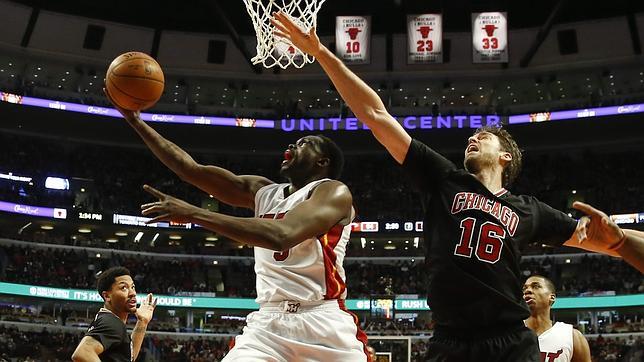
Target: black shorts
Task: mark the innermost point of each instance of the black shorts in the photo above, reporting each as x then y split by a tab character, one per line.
515	343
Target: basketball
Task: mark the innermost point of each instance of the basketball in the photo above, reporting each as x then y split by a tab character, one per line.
134	81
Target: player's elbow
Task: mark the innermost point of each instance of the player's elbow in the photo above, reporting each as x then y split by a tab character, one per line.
77	356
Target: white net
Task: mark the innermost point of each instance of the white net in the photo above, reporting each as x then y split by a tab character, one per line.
271	50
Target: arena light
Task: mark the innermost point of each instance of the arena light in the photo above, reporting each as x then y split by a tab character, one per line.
215	262
139	235
57	183
120	233
154	239
46	227
12	177
111	240
84	230
175	237
212	238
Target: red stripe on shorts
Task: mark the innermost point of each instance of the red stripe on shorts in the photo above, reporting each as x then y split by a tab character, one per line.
360	334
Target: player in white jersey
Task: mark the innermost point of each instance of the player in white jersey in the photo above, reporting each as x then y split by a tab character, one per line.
299	233
559	342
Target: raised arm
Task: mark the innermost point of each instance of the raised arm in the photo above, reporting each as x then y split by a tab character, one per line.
222	184
88	350
143	317
363	101
329	205
597	232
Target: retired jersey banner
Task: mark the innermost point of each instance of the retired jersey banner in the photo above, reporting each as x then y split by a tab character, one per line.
353	38
490	37
425	38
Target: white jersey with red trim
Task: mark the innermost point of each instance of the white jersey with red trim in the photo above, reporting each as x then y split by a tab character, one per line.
308	272
556	343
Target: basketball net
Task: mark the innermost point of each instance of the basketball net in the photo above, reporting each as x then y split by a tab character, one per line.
271	50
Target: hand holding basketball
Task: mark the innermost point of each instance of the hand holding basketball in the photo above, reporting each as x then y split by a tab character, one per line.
286	28
134	81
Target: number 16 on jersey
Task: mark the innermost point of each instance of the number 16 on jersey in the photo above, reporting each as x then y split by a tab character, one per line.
484	241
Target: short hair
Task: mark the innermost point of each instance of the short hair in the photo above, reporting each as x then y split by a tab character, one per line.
106	278
508	144
549	283
331	150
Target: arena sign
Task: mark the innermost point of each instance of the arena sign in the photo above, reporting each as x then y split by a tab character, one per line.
92	296
412	122
408	122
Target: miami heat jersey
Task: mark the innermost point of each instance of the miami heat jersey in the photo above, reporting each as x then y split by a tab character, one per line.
556	343
308	272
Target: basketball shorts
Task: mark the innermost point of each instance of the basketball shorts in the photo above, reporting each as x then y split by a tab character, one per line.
515	343
297	332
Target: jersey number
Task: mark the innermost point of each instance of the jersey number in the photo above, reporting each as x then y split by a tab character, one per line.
281	256
488	244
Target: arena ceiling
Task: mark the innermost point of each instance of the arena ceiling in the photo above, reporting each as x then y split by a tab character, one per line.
388	16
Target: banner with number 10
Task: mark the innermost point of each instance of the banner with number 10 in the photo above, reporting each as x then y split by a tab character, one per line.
353	38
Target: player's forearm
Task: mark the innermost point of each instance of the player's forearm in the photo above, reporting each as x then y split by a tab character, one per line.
632	251
363	101
138	334
176	159
264	233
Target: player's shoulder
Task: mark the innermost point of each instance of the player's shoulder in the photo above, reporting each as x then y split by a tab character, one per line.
106	318
331	186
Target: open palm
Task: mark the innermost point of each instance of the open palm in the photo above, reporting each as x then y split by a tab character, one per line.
286	28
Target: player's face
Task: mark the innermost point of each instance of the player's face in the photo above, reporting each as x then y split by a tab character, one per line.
537	294
123	294
301	156
483	150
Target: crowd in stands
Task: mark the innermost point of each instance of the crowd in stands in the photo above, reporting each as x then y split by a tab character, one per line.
69	268
612	182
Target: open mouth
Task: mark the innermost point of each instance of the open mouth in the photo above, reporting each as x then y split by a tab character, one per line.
288	156
528	299
472	148
131	303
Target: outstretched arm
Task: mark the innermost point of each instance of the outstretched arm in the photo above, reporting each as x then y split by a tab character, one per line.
597	232
329	205
363	101
222	184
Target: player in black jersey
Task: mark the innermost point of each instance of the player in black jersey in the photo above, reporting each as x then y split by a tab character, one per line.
474	227
106	338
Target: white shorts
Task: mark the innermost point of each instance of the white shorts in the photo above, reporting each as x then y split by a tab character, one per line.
293	332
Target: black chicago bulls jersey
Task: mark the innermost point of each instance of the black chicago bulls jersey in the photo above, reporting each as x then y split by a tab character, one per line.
110	331
472	239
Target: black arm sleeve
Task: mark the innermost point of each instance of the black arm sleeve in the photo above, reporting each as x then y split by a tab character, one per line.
553	227
425	167
106	329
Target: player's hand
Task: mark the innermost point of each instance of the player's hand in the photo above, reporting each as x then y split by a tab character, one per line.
130	116
286	28
597	228
146	309
168	208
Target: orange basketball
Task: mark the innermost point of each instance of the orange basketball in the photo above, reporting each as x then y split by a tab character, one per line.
134	81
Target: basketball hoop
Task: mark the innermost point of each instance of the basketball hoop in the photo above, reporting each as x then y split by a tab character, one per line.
271	50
